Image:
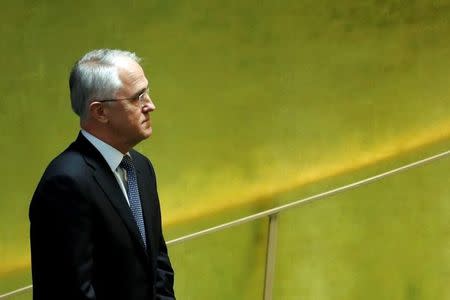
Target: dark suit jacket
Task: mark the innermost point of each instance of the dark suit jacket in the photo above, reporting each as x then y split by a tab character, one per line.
85	243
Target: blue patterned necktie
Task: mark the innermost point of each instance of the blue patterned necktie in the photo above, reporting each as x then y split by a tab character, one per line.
133	195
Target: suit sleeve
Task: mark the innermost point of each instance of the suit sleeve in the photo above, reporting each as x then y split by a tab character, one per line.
164	271
61	241
164	274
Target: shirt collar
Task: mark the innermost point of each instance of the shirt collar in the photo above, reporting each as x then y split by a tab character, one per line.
112	156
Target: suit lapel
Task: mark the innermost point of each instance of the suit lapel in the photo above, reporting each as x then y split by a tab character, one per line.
108	183
115	195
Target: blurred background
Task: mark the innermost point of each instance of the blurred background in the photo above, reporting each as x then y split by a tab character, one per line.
259	103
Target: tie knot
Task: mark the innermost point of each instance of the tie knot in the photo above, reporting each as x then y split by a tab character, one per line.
126	163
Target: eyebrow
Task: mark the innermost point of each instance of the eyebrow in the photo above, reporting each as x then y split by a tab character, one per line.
140	92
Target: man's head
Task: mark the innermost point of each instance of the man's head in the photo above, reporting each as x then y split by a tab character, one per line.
109	92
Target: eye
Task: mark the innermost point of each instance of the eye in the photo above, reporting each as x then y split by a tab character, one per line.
143	95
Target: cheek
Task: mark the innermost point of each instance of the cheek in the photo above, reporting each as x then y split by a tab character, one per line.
133	115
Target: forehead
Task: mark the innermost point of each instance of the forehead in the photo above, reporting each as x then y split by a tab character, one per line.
131	74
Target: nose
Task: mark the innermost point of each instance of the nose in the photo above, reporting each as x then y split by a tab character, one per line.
148	106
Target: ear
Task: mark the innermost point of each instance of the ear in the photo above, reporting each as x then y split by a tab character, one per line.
98	111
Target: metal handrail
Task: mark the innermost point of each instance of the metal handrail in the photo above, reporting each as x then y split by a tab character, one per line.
290	205
16	292
272	214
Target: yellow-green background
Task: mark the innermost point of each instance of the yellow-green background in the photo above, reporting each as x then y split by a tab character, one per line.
258	103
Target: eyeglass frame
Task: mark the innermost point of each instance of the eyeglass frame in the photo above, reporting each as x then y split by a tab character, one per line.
141	98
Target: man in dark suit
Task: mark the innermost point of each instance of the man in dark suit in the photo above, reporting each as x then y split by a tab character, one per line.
95	216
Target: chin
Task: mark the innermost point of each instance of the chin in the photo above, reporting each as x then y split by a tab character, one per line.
148	132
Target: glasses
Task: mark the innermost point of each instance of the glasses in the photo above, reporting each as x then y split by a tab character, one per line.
142	97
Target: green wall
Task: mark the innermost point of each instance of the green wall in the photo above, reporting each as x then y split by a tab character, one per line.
255	101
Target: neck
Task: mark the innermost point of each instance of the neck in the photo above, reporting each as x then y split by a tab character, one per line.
103	135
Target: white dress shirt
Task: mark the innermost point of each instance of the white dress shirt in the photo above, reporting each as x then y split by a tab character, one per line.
113	157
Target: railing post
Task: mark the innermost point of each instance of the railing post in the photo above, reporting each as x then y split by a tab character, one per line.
270	256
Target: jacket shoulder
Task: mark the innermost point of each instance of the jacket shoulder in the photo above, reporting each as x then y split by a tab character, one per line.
69	163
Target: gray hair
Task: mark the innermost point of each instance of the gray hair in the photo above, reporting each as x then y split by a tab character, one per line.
95	76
